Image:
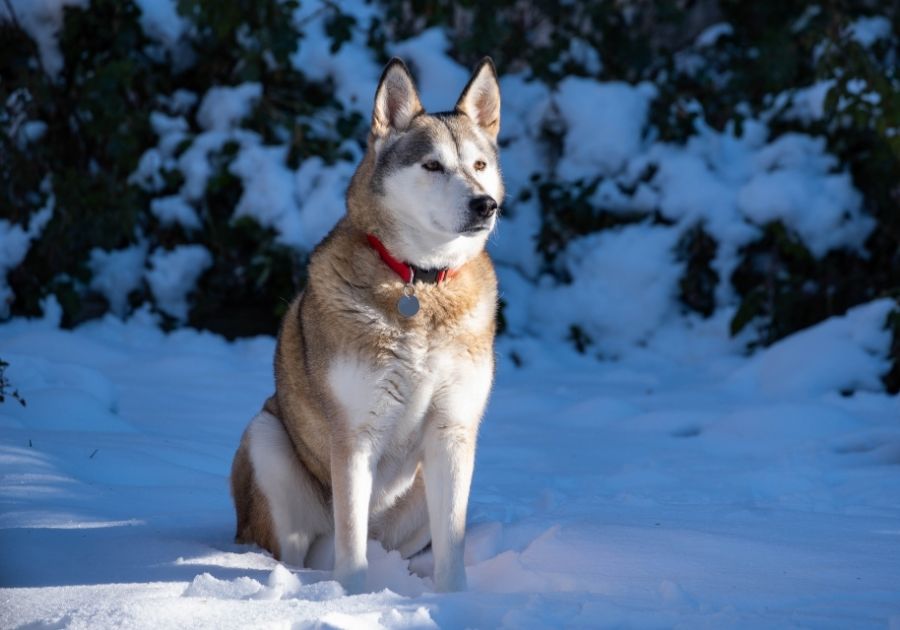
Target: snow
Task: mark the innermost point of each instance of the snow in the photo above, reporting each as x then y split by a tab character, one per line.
816	206
300	205
648	491
583	54
30	132
663	478
14	244
171	130
174	210
268	187
731	182
161	22
806	361
807	104
320	191
195	165
223	107
440	80
623	286
173	274
42	20
734	184
712	34
524	105
604	125
117	273
352	68
868	30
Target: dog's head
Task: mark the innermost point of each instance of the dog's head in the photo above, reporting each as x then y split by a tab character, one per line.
431	182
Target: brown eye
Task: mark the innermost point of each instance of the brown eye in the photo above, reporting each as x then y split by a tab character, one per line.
434	166
480	165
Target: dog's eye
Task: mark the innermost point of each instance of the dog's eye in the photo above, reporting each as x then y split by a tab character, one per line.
433	165
480	165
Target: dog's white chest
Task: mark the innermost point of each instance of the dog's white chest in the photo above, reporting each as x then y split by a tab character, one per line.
389	401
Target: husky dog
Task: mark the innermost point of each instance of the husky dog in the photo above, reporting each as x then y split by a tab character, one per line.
385	361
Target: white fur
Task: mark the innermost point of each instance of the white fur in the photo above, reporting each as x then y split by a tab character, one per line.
296	511
352	489
489	178
434	399
371	414
433	207
449	459
462	400
369	398
419	411
353	384
423	407
480	316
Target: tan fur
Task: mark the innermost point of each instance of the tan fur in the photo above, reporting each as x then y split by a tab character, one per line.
346	277
254	520
349	309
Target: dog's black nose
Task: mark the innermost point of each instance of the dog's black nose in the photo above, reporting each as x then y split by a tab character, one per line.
483	206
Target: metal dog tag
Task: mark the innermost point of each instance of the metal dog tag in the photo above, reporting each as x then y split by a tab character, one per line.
408	304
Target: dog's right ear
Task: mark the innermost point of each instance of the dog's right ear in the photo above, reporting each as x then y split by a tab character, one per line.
396	100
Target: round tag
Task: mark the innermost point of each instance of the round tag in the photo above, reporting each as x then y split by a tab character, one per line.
408	305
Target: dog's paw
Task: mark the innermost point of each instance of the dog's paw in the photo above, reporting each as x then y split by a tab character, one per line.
451	581
353	580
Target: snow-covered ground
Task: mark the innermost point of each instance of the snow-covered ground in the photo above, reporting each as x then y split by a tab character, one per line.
670	481
682	485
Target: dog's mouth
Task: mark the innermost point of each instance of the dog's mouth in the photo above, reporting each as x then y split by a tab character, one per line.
477	228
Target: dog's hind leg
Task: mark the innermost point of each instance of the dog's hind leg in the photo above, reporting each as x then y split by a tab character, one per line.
254	519
404	526
298	510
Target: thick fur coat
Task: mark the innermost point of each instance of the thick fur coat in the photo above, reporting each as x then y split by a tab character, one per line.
372	427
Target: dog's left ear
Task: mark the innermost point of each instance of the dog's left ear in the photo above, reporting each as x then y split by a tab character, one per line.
480	100
396	100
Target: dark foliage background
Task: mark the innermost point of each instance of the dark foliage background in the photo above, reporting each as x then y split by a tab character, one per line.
97	117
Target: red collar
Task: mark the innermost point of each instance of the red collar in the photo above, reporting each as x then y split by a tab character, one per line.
408	273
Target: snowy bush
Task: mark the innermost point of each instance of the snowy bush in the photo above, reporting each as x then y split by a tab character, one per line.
149	139
663	160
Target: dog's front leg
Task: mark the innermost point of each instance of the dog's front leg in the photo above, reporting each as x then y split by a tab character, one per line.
448	464
352	470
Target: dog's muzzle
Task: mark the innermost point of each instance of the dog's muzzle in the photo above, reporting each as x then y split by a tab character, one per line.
481	214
